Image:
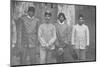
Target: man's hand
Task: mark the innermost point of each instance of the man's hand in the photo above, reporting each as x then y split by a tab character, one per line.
13	45
44	44
87	48
31	46
73	46
60	51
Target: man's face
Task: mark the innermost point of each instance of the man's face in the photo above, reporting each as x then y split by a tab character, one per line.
61	18
31	13
81	21
47	17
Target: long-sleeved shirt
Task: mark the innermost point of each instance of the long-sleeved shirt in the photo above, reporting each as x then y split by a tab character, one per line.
28	30
63	31
47	34
80	36
14	34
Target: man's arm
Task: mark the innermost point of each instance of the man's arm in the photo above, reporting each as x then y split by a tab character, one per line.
41	39
54	35
73	36
87	34
37	26
14	37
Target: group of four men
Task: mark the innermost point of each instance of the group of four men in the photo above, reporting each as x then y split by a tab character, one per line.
48	42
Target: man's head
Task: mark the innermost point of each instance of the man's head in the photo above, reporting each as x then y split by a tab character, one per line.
47	15
81	20
61	17
31	11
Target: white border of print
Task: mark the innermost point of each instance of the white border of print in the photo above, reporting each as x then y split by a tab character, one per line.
5	33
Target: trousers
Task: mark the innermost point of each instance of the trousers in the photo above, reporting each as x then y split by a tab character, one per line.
81	54
46	56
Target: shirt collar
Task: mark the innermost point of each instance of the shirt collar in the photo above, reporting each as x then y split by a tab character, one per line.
61	23
80	25
30	17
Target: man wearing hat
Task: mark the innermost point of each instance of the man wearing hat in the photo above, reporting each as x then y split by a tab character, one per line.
80	38
47	37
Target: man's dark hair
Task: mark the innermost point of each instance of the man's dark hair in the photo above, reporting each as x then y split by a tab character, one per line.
61	14
48	13
31	9
80	15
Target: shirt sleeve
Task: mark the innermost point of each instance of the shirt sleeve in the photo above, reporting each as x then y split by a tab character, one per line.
54	36
73	36
41	39
87	34
14	32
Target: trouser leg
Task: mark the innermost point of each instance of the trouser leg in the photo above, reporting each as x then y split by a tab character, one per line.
23	56
60	58
42	55
33	56
82	54
32	48
78	54
68	53
50	57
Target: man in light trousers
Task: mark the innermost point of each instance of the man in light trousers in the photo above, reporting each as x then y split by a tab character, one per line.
80	38
47	37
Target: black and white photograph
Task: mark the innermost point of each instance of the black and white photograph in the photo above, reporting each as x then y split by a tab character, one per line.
44	33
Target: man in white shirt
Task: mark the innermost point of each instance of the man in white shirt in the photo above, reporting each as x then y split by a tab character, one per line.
47	37
80	38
